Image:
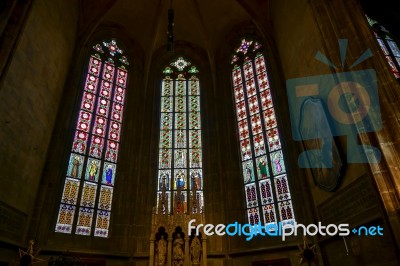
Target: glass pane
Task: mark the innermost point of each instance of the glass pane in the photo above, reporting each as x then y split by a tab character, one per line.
248	172
180	139
109	171
166	208
88	194
383	46
266	100
269	213
88	101
166	121
65	218
253	215
262	167
180	179
395	49
194	103
195	139
248	70
251	195
269	119
166	87
94	66
253	105
75	165
180	120
245	149
392	65
250	87
164	176
165	158
70	193
194	87
102	223
119	95
92	170
180	104
117	110
239	95
84	221
282	187
243	129
180	88
166	139
259	145
286	212
241	111
96	147
263	83
194	120
103	107
112	151
256	124
260	64
195	158
91	84
196	178
99	127
266	192
80	142
84	121
105	198
237	76
273	140
108	72
105	89
115	130
166	104
277	163
180	158
121	77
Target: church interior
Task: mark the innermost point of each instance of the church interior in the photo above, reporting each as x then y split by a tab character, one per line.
123	120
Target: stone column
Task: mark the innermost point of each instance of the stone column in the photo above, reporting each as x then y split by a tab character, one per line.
204	252
169	252
152	253
187	252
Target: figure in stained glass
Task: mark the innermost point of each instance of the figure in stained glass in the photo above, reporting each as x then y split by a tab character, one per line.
262	165
92	170
196	179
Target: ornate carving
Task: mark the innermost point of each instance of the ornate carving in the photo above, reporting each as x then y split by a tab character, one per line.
162	251
195	251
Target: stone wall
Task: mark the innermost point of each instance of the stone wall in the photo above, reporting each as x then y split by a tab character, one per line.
30	94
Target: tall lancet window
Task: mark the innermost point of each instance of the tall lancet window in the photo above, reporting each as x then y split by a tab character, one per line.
265	180
388	45
90	176
180	175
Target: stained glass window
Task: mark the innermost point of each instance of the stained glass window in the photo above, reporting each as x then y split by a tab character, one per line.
85	207
180	174
265	180
389	47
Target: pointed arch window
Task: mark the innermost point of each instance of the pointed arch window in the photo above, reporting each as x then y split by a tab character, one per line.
180	174
85	207
389	47
265	180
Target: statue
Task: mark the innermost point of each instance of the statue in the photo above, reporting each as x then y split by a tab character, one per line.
178	255
195	251
162	251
